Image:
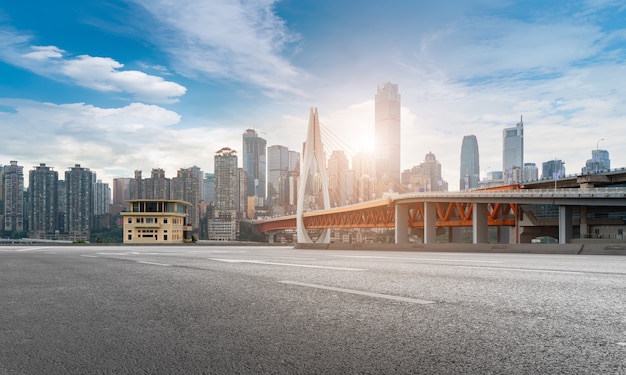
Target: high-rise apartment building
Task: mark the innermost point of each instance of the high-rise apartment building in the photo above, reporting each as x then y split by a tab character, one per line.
121	194
513	148
198	174
136	187
224	224
62	204
185	187
243	211
43	193
387	133
157	186
101	205
79	199
254	163
470	166
101	198
13	197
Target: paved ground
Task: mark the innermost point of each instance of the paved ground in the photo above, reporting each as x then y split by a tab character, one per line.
243	310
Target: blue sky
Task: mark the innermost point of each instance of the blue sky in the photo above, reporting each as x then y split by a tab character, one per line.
123	85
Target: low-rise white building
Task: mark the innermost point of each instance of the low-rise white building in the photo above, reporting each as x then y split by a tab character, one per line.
151	221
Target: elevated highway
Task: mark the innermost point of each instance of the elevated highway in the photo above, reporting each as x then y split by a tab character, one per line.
478	209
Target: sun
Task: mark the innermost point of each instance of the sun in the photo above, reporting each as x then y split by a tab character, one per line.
365	144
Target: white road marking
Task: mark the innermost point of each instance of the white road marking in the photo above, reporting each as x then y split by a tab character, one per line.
360	292
523	270
33	248
154	264
288	264
89	256
126	253
429	259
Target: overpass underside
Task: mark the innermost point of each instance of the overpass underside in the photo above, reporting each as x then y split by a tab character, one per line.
419	217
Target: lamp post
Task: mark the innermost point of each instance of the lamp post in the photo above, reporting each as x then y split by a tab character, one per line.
596	158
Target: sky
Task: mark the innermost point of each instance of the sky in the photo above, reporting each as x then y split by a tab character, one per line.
125	85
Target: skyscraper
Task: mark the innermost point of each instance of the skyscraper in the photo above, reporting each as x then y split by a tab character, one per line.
79	199
254	156
599	162
223	226
513	148
43	196
387	133
13	197
553	169
470	167
277	169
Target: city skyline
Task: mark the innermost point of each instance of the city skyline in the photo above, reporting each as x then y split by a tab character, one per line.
120	99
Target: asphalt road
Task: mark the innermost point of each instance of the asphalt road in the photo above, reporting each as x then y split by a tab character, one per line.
273	310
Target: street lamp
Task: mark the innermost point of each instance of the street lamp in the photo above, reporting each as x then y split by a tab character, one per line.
597	156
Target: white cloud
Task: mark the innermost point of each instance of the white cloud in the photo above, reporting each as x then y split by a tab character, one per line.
240	40
104	74
44	53
98	73
132	137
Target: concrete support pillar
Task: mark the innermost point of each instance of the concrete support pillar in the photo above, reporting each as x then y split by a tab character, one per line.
584	227
402	223
504	234
455	234
270	236
481	223
565	224
430	222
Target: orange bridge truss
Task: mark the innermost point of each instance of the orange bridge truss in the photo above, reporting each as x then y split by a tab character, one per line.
381	214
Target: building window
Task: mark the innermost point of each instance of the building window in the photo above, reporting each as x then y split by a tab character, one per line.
164	220
165	237
130	237
130	220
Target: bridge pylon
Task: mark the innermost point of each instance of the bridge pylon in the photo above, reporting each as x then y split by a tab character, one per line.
313	167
